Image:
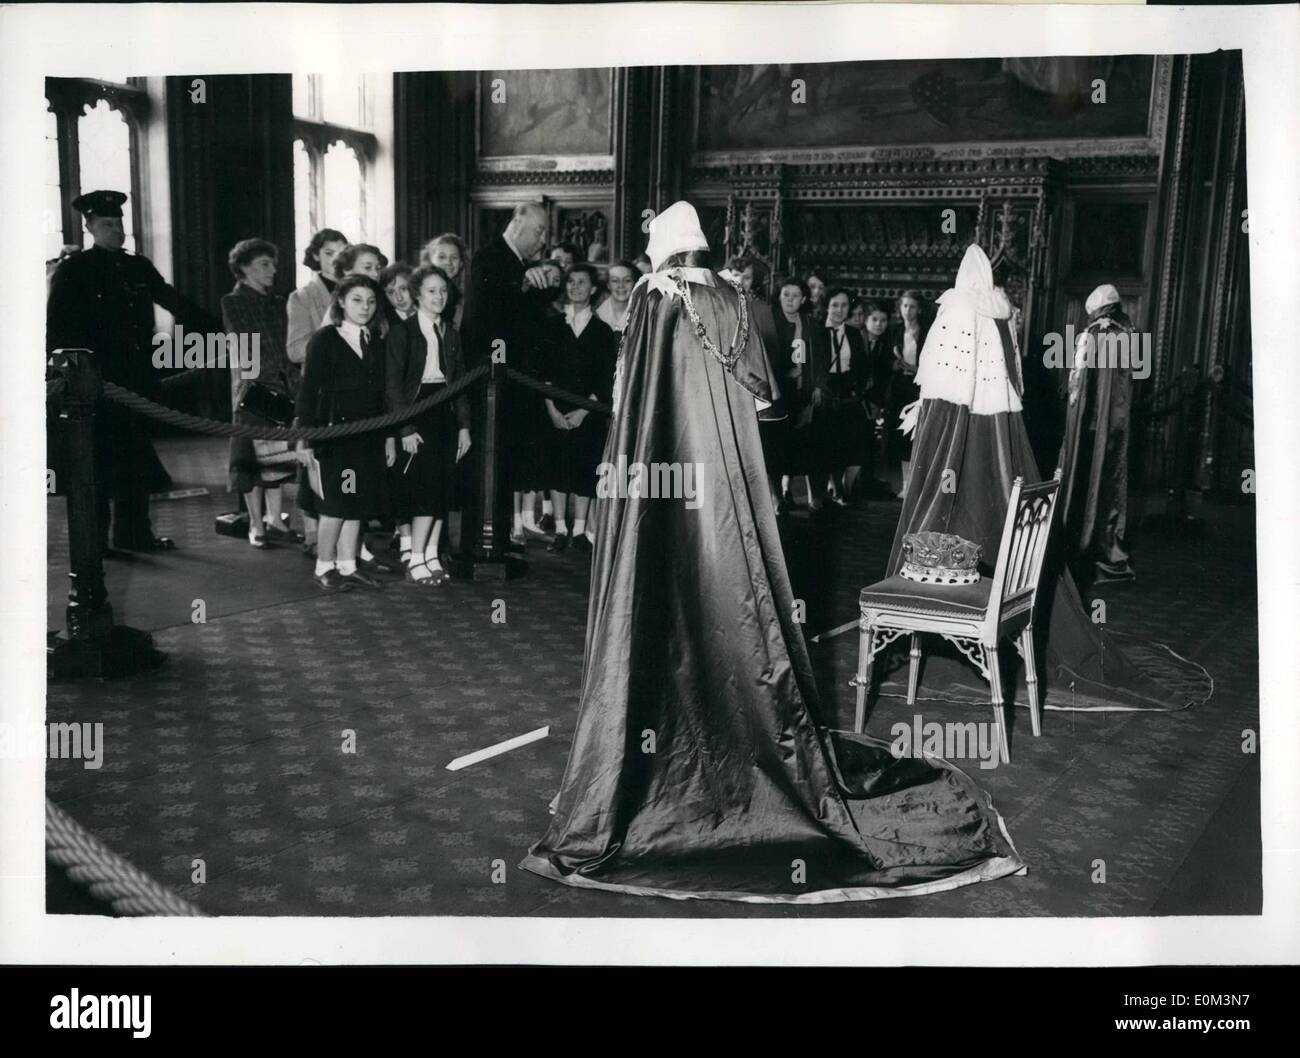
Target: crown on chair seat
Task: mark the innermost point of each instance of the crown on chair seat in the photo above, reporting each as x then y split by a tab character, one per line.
939	558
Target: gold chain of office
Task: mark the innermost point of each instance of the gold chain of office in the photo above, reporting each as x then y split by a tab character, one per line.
738	340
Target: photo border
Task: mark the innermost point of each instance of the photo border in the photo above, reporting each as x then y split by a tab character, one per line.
154	39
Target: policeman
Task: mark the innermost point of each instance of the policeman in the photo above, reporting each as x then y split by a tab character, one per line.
102	299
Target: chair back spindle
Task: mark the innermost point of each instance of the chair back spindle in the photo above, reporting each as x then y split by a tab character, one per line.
1030	511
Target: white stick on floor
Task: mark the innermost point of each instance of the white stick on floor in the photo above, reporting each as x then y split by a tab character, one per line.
840	630
498	749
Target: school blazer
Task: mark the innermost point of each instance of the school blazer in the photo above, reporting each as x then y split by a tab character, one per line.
407	351
820	355
895	336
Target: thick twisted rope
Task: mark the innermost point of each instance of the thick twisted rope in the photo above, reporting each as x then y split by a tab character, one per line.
110	878
198	424
548	390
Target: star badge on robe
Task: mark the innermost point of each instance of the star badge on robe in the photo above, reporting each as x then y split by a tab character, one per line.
660	281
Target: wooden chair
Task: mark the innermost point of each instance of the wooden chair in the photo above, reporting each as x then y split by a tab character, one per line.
975	617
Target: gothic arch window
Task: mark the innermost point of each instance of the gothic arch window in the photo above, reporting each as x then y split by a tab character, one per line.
92	138
334	153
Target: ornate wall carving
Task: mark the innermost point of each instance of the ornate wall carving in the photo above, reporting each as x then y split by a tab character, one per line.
885	227
543	177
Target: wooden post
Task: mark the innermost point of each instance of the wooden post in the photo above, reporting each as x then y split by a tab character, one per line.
492	557
93	645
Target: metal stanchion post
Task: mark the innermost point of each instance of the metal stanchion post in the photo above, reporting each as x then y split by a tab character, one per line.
492	558
93	644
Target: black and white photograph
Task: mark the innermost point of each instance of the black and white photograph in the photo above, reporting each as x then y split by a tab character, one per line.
666	464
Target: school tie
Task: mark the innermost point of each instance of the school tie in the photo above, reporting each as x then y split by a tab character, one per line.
435	347
365	342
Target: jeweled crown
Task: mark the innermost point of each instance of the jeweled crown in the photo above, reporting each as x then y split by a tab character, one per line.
940	558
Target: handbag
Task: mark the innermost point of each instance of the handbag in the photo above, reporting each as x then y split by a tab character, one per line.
267	402
275	459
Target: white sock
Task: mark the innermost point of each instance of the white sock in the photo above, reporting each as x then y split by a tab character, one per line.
347	567
519	523
547	508
323	567
530	519
561	527
406	543
366	556
579	526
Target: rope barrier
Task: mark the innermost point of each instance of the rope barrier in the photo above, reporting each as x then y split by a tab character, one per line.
198	424
109	877
548	390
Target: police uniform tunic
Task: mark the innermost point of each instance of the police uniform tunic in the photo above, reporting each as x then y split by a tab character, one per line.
103	300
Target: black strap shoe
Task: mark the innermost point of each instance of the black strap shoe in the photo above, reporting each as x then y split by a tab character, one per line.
333	580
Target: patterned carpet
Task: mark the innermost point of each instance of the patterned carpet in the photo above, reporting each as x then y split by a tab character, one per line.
233	753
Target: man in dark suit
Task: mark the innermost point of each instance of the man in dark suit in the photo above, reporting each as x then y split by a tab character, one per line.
502	316
102	299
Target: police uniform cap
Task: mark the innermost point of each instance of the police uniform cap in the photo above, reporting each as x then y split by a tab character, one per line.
100	203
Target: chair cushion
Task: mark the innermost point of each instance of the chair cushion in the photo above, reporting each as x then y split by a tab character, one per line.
956	600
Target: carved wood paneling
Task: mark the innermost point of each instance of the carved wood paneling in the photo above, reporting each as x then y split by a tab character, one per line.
544	178
883	227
